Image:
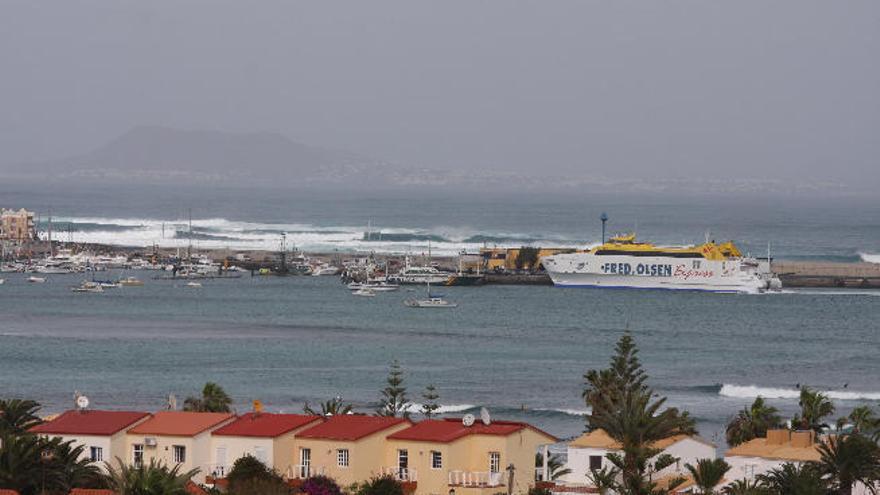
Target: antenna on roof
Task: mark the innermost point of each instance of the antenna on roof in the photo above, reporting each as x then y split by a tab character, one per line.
484	416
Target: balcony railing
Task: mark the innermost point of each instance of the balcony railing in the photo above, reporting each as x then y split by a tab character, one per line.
216	471
475	478
303	471
400	474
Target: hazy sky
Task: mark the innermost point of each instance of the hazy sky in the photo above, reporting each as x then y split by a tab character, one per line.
614	88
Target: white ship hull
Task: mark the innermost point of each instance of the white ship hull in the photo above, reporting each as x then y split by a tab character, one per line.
660	272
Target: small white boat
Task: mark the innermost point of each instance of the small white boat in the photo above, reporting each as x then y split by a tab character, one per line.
365	292
130	282
87	286
36	280
2	281
431	302
376	287
193	284
324	270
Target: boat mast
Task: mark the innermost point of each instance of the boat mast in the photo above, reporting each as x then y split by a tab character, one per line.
190	244
51	247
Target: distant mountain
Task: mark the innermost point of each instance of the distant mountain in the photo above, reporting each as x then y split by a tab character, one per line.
159	154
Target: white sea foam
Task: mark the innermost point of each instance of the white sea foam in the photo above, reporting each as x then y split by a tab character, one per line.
752	391
870	257
238	235
444	408
570	412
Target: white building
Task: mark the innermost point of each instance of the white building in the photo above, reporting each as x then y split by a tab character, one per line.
588	452
761	455
264	436
102	433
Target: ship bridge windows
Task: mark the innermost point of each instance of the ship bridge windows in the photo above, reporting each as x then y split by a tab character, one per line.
658	254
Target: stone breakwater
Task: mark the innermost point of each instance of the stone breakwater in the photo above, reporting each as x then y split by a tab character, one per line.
828	274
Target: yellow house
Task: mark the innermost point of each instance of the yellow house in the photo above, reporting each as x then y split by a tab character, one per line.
175	437
445	456
348	448
267	437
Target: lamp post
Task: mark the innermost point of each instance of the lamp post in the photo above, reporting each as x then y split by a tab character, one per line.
604	218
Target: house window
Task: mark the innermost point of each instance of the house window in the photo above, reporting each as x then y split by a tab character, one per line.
138	454
178	454
436	460
494	462
96	454
342	457
260	454
595	462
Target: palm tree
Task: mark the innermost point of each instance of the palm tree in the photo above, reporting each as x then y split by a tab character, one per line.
708	473
604	479
332	407
791	479
20	466
746	487
213	399
70	467
17	416
148	479
847	459
863	419
555	466
752	422
815	406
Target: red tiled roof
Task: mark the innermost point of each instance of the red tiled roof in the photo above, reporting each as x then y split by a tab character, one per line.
4	491
194	489
180	423
89	422
451	429
91	491
265	425
350	427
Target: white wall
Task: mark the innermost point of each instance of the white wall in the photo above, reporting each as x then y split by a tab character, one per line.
238	447
579	464
689	451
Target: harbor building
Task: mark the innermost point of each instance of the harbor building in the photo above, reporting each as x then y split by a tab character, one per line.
17	225
175	438
348	448
101	433
439	456
589	452
270	438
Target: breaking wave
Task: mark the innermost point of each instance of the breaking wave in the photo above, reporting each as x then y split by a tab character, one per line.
570	412
221	233
753	391
870	258
444	408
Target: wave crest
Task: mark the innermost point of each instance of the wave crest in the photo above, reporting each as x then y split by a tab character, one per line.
753	391
870	257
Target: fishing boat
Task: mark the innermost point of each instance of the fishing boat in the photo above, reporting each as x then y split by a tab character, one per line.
131	282
88	286
414	274
36	280
625	263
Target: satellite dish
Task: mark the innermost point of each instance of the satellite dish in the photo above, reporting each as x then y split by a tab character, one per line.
468	420
82	402
484	416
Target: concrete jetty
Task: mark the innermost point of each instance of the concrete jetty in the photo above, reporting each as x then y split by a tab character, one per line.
828	274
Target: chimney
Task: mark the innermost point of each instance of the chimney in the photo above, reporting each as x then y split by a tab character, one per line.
778	437
803	439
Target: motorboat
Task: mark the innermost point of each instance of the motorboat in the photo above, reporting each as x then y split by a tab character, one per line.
193	284
324	270
2	281
36	280
88	286
430	302
364	292
374	286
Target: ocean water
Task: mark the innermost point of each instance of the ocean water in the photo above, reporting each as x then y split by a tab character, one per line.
520	351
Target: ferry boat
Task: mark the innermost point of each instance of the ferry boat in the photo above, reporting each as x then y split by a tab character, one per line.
623	262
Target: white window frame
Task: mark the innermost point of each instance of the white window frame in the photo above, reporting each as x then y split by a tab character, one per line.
494	462
178	454
137	460
436	459
96	454
343	458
